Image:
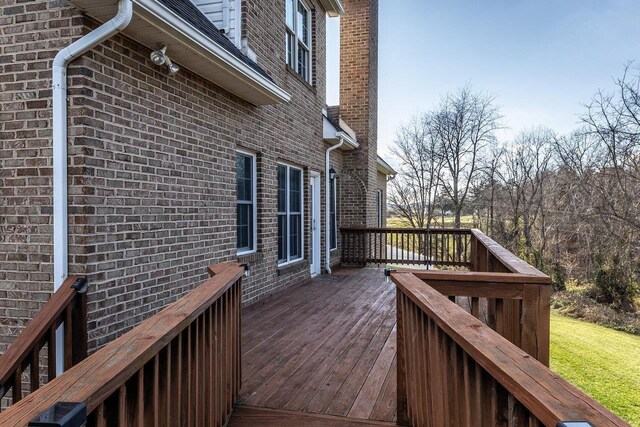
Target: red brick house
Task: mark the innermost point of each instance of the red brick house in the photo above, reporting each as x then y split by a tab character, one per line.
178	134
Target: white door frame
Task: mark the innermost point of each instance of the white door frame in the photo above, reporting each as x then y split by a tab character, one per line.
315	224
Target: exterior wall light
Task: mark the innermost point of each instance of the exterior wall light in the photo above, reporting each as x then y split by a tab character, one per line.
247	270
159	57
387	274
332	174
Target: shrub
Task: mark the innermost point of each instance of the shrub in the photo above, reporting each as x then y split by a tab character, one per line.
558	277
615	284
579	306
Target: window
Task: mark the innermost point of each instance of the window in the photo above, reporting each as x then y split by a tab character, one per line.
333	238
379	210
290	235
298	37
246	207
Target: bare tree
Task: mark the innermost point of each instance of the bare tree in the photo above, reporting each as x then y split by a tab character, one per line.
414	190
463	124
613	123
523	172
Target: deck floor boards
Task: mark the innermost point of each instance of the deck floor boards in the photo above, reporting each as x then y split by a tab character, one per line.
325	347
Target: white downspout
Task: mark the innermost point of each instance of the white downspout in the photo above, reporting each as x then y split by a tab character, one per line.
59	115
327	220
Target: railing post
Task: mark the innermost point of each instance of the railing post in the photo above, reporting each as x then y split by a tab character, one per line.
401	367
536	318
79	337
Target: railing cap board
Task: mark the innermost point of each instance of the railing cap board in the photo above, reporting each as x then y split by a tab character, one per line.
101	374
36	329
512	262
549	397
214	269
407	230
483	277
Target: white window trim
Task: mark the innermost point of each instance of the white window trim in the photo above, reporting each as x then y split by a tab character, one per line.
290	261
334	188
294	31
379	202
254	196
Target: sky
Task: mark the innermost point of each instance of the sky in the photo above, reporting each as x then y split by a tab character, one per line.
543	60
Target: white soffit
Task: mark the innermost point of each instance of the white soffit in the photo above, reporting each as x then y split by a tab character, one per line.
154	24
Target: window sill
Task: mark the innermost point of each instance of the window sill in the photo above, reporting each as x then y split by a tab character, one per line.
291	266
250	257
309	86
333	250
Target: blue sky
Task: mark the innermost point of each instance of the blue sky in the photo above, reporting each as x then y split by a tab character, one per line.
542	59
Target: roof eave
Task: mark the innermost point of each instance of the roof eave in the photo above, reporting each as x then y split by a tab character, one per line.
333	7
192	49
385	168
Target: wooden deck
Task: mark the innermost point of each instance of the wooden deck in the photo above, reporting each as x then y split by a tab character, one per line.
326	347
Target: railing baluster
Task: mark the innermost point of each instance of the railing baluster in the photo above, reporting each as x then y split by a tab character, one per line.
51	353
17	385
35	370
68	338
139	410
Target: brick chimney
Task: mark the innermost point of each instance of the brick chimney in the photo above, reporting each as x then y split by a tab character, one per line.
359	108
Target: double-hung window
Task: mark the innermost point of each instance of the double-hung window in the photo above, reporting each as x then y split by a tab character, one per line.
298	37
290	205
333	229
246	199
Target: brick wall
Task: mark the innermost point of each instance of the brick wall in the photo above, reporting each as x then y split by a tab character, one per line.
151	167
31	33
359	107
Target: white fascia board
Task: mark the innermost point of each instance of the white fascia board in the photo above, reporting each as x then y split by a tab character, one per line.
217	52
332	135
348	140
333	7
385	167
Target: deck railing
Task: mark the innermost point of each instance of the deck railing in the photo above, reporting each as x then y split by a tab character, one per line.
179	367
67	307
473	346
517	306
412	246
455	370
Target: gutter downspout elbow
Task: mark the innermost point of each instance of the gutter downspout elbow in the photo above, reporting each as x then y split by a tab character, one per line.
59	136
327	220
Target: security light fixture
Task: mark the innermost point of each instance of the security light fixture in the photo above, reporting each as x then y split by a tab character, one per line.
173	68
332	174
159	57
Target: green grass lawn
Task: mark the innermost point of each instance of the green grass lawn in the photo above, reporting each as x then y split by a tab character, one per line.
466	220
602	362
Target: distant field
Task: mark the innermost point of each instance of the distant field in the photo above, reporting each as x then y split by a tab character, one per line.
600	361
466	220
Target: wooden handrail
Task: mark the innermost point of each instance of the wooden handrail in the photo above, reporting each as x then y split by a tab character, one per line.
180	364
454	370
517	306
410	229
411	246
508	260
480	277
68	306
